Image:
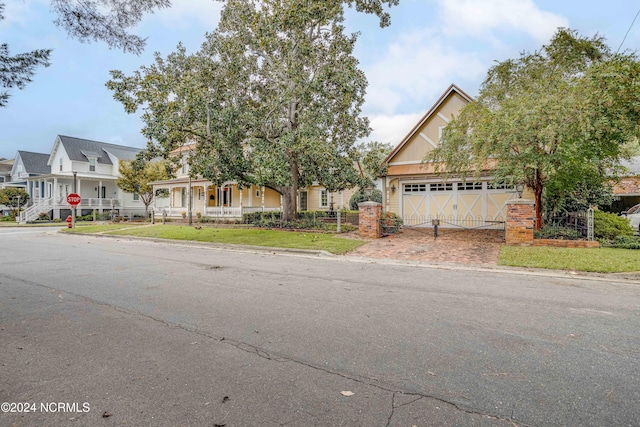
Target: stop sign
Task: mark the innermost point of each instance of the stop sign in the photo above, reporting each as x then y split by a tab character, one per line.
73	199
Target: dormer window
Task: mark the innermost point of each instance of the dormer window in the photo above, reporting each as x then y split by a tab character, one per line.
92	165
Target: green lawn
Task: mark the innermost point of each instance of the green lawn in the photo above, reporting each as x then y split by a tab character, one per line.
253	237
88	227
601	260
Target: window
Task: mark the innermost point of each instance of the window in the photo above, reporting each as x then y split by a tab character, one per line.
468	186
184	167
257	193
324	199
304	199
499	186
92	165
136	197
60	164
441	187
415	188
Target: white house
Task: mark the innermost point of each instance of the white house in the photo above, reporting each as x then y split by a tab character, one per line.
88	168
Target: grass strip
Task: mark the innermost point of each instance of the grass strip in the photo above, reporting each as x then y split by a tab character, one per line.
252	237
597	260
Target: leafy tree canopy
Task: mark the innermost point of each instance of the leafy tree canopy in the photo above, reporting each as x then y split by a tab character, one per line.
560	115
272	98
14	198
87	20
372	155
137	176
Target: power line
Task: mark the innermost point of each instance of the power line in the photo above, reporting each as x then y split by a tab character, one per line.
631	26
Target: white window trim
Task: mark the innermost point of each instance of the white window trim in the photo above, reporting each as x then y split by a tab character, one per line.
323	190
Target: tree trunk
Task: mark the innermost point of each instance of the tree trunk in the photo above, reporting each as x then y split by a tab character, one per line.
289	208
290	195
538	196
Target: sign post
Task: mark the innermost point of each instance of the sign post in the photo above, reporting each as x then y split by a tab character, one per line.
74	200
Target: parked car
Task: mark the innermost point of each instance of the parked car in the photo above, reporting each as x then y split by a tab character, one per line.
633	215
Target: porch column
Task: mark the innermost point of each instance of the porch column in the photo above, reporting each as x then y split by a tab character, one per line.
240	201
100	196
387	195
262	196
251	196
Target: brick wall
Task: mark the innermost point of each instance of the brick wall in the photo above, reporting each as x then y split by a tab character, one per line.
369	215
556	243
520	222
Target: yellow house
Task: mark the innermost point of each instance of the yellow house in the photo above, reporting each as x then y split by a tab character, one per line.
208	199
228	199
418	195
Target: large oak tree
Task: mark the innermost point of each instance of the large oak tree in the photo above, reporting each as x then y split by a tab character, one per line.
273	97
563	115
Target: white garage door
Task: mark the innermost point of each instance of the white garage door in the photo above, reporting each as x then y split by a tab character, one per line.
455	204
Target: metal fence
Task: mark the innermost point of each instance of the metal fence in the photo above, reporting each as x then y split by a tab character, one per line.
568	225
467	222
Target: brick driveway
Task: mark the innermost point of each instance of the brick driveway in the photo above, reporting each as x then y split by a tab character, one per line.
479	247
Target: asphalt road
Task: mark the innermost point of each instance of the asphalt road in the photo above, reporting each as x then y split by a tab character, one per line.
100	331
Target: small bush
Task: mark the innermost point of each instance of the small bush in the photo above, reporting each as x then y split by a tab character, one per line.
56	220
361	196
608	226
7	218
625	242
44	216
117	219
561	233
391	223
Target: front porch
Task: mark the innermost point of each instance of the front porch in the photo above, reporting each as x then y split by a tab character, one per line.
176	198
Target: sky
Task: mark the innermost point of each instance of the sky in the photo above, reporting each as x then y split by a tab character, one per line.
429	45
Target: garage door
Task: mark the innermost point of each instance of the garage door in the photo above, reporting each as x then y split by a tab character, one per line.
455	204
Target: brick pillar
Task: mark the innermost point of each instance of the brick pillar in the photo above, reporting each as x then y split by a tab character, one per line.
369	215
520	222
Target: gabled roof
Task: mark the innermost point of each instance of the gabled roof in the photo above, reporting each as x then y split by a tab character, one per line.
451	89
34	163
79	149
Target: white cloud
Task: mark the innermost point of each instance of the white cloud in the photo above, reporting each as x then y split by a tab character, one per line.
415	70
393	127
463	17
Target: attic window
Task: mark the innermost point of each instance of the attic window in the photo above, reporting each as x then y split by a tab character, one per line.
92	164
60	164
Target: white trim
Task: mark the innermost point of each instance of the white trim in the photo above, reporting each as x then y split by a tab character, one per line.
411	162
443	117
426	138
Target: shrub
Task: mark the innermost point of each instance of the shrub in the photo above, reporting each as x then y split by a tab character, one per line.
391	223
44	216
117	219
56	220
624	242
608	226
7	218
361	196
552	232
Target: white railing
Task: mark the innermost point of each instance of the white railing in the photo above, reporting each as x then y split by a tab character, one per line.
33	211
99	203
214	211
228	211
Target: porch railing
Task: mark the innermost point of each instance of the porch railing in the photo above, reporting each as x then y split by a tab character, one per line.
214	211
